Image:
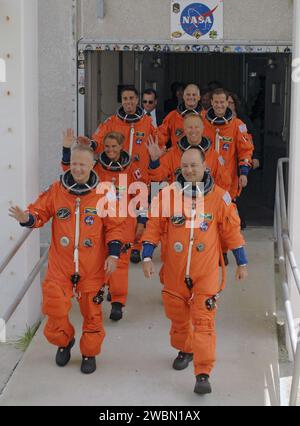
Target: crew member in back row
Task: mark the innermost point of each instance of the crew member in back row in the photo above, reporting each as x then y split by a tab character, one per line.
171	130
149	101
230	139
131	121
191	264
84	251
165	166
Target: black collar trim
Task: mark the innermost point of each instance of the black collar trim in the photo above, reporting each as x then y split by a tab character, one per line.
115	166
194	190
74	188
183	110
130	118
184	144
219	121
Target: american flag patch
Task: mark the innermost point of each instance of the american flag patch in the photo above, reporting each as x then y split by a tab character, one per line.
243	128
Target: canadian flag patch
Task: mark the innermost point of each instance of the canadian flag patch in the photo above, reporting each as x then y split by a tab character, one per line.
137	174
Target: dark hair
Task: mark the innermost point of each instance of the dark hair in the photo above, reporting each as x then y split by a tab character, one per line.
220	91
237	103
199	149
129	89
205	90
214	84
175	86
150	92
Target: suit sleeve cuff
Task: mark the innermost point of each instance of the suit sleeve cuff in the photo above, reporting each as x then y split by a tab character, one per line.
154	164
114	248
244	170
240	256
30	222
142	219
148	249
94	145
66	156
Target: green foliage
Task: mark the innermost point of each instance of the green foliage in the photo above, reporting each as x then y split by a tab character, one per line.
24	341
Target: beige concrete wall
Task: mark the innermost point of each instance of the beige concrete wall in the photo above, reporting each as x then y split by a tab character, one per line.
124	20
57	78
140	20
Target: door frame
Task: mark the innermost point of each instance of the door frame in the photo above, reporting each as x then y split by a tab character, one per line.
164	46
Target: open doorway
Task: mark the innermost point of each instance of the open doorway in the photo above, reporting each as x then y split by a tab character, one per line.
261	80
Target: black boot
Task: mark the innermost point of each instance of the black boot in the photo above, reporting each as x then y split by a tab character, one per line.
182	360
63	354
202	385
88	364
116	311
135	256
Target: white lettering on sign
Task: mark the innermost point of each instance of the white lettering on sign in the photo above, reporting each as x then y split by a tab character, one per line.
196	20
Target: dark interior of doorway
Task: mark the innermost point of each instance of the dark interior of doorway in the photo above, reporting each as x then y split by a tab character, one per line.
260	80
261	83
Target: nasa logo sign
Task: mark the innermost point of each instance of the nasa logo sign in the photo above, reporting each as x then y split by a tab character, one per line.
197	19
202	20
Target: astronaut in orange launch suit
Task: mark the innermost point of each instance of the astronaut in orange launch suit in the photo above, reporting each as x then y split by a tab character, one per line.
191	262
84	249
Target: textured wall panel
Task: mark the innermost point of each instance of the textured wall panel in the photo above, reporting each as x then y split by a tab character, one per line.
144	19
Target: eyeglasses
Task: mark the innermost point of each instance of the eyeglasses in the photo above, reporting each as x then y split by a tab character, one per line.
148	102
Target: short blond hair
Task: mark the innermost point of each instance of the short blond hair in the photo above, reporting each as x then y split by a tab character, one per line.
79	147
192	114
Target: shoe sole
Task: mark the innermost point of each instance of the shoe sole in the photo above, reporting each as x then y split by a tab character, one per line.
114	318
72	343
180	367
202	390
87	372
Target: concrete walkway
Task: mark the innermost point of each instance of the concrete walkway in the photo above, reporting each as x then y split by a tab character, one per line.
135	367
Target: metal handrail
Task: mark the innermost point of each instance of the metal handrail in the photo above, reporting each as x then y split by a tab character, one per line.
29	280
11	309
14	249
285	254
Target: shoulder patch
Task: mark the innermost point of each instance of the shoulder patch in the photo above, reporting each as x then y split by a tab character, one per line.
46	190
106	121
243	128
227	198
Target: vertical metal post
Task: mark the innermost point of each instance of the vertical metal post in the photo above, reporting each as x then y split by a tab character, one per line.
295	379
